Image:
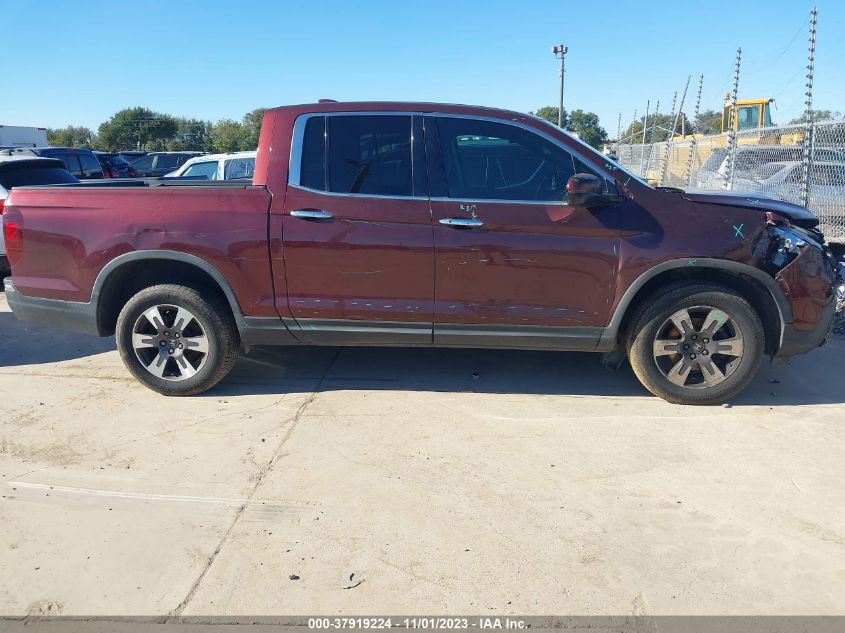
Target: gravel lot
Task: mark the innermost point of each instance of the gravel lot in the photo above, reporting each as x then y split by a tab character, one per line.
363	481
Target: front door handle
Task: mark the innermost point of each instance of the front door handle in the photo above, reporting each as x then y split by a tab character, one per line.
461	222
311	214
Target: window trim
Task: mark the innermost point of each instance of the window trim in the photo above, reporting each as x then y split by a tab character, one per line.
298	136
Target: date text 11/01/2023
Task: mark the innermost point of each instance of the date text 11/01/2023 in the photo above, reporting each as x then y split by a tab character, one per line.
432	623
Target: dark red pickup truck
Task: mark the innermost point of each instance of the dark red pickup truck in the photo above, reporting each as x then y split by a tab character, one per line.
424	224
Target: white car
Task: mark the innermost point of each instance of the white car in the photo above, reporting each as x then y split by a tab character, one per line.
235	165
18	170
714	172
783	181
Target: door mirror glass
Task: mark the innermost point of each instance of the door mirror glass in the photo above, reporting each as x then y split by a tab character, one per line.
587	190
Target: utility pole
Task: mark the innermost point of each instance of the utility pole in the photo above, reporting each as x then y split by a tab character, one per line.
808	115
560	51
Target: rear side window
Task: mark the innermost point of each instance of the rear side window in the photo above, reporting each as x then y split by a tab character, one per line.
146	162
72	162
494	161
313	167
24	176
91	167
370	155
238	168
168	161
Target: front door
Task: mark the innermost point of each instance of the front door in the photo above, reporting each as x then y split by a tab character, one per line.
515	266
358	245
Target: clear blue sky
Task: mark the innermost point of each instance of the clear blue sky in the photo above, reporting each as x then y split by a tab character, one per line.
78	62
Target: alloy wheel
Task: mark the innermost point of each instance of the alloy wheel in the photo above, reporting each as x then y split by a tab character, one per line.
170	342
698	347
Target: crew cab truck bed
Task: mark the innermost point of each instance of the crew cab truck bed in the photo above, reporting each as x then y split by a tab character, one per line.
423	224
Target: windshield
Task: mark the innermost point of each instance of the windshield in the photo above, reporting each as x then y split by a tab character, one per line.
596	157
764	172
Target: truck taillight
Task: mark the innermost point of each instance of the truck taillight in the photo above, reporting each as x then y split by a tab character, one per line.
13	235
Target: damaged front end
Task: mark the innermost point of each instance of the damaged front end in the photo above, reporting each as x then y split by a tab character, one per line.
810	279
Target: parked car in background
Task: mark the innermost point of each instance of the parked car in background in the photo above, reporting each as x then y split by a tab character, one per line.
18	170
157	164
714	172
80	162
784	181
115	166
131	155
500	230
232	166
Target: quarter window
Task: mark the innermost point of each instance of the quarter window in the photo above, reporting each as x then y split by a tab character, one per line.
488	160
312	172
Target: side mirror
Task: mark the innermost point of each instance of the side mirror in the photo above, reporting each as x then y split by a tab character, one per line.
587	190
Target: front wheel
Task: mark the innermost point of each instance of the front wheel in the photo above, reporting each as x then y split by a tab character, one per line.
176	340
696	344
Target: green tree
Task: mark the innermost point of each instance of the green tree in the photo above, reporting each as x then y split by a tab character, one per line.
252	128
659	127
71	136
191	134
549	113
586	125
708	122
818	117
227	136
139	128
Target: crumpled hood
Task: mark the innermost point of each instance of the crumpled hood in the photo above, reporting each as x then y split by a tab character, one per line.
796	214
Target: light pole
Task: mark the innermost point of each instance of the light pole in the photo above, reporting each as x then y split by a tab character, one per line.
560	52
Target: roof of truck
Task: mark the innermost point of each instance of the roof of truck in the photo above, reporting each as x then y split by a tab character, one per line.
402	106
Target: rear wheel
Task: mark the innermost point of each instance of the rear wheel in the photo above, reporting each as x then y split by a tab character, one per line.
175	340
696	344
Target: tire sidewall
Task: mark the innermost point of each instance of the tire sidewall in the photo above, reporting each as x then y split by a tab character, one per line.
745	321
208	320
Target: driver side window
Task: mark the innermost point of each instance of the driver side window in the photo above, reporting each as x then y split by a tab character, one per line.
484	160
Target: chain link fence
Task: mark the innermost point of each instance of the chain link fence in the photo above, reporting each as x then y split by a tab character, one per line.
787	162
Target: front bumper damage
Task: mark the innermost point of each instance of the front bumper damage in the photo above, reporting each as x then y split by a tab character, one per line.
809	284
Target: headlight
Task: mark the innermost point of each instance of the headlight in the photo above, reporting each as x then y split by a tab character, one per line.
786	246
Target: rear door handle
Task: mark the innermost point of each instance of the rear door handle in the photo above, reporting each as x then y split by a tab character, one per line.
461	222
311	214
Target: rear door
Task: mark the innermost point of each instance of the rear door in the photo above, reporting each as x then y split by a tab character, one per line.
514	265
358	245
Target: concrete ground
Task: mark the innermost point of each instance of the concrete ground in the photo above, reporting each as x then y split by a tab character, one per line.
364	481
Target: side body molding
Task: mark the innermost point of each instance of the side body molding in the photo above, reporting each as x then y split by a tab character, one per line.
607	341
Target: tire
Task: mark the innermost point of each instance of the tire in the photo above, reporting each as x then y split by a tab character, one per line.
176	340
679	336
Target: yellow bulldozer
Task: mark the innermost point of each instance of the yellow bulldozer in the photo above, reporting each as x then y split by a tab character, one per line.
752	124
